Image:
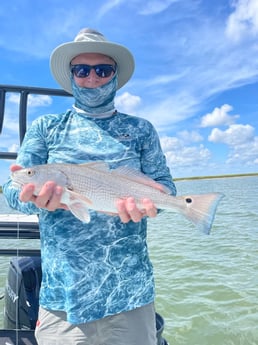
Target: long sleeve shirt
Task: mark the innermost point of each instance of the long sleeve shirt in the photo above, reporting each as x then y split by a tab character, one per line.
102	268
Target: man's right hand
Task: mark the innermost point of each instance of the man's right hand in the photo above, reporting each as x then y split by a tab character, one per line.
48	197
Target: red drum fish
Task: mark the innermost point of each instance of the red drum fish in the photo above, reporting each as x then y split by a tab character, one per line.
94	186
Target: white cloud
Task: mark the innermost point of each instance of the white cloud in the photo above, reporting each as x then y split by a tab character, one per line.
180	155
218	117
108	6
242	142
243	21
233	136
13	148
167	112
186	158
245	154
190	136
170	144
11	121
39	100
14	98
155	6
33	100
147	7
127	102
165	79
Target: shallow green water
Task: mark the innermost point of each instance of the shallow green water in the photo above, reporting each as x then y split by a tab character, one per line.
207	285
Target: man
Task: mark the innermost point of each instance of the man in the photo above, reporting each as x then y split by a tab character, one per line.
97	285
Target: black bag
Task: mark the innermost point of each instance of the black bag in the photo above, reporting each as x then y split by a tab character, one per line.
22	293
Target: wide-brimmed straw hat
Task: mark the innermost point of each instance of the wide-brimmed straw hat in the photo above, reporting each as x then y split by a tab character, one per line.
89	41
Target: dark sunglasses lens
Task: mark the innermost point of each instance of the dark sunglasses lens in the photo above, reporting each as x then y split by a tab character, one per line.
81	71
103	71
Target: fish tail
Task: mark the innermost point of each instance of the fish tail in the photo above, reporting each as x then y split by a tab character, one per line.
200	209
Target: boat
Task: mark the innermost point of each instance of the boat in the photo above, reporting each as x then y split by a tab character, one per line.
21	292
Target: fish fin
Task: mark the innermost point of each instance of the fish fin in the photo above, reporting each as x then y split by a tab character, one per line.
200	209
137	176
77	204
127	173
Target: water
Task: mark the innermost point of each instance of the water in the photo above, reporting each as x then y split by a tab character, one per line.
207	286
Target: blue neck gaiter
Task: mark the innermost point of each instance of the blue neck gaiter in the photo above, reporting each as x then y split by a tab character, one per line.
98	100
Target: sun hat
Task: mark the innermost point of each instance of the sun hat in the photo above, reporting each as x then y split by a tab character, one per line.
89	41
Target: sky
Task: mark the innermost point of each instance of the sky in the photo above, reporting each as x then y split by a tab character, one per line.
196	75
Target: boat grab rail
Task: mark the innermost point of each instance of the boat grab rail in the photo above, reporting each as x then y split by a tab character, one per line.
17	230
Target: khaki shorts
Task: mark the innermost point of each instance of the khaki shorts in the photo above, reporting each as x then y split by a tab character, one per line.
136	327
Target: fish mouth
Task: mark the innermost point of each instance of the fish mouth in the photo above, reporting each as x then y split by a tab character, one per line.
16	184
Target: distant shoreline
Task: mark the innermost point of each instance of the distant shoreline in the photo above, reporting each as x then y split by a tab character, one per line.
204	177
214	176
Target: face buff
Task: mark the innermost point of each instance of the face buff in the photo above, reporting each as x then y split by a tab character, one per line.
98	100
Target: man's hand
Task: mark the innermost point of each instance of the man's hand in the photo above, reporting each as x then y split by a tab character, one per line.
127	210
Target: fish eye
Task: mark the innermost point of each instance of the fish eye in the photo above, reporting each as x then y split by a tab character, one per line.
188	200
30	172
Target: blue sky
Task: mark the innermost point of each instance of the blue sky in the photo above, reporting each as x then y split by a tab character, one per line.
196	76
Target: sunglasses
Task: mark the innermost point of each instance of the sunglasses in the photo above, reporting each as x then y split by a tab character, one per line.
102	70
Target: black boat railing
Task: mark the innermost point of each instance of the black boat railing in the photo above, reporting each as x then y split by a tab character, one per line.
19	230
